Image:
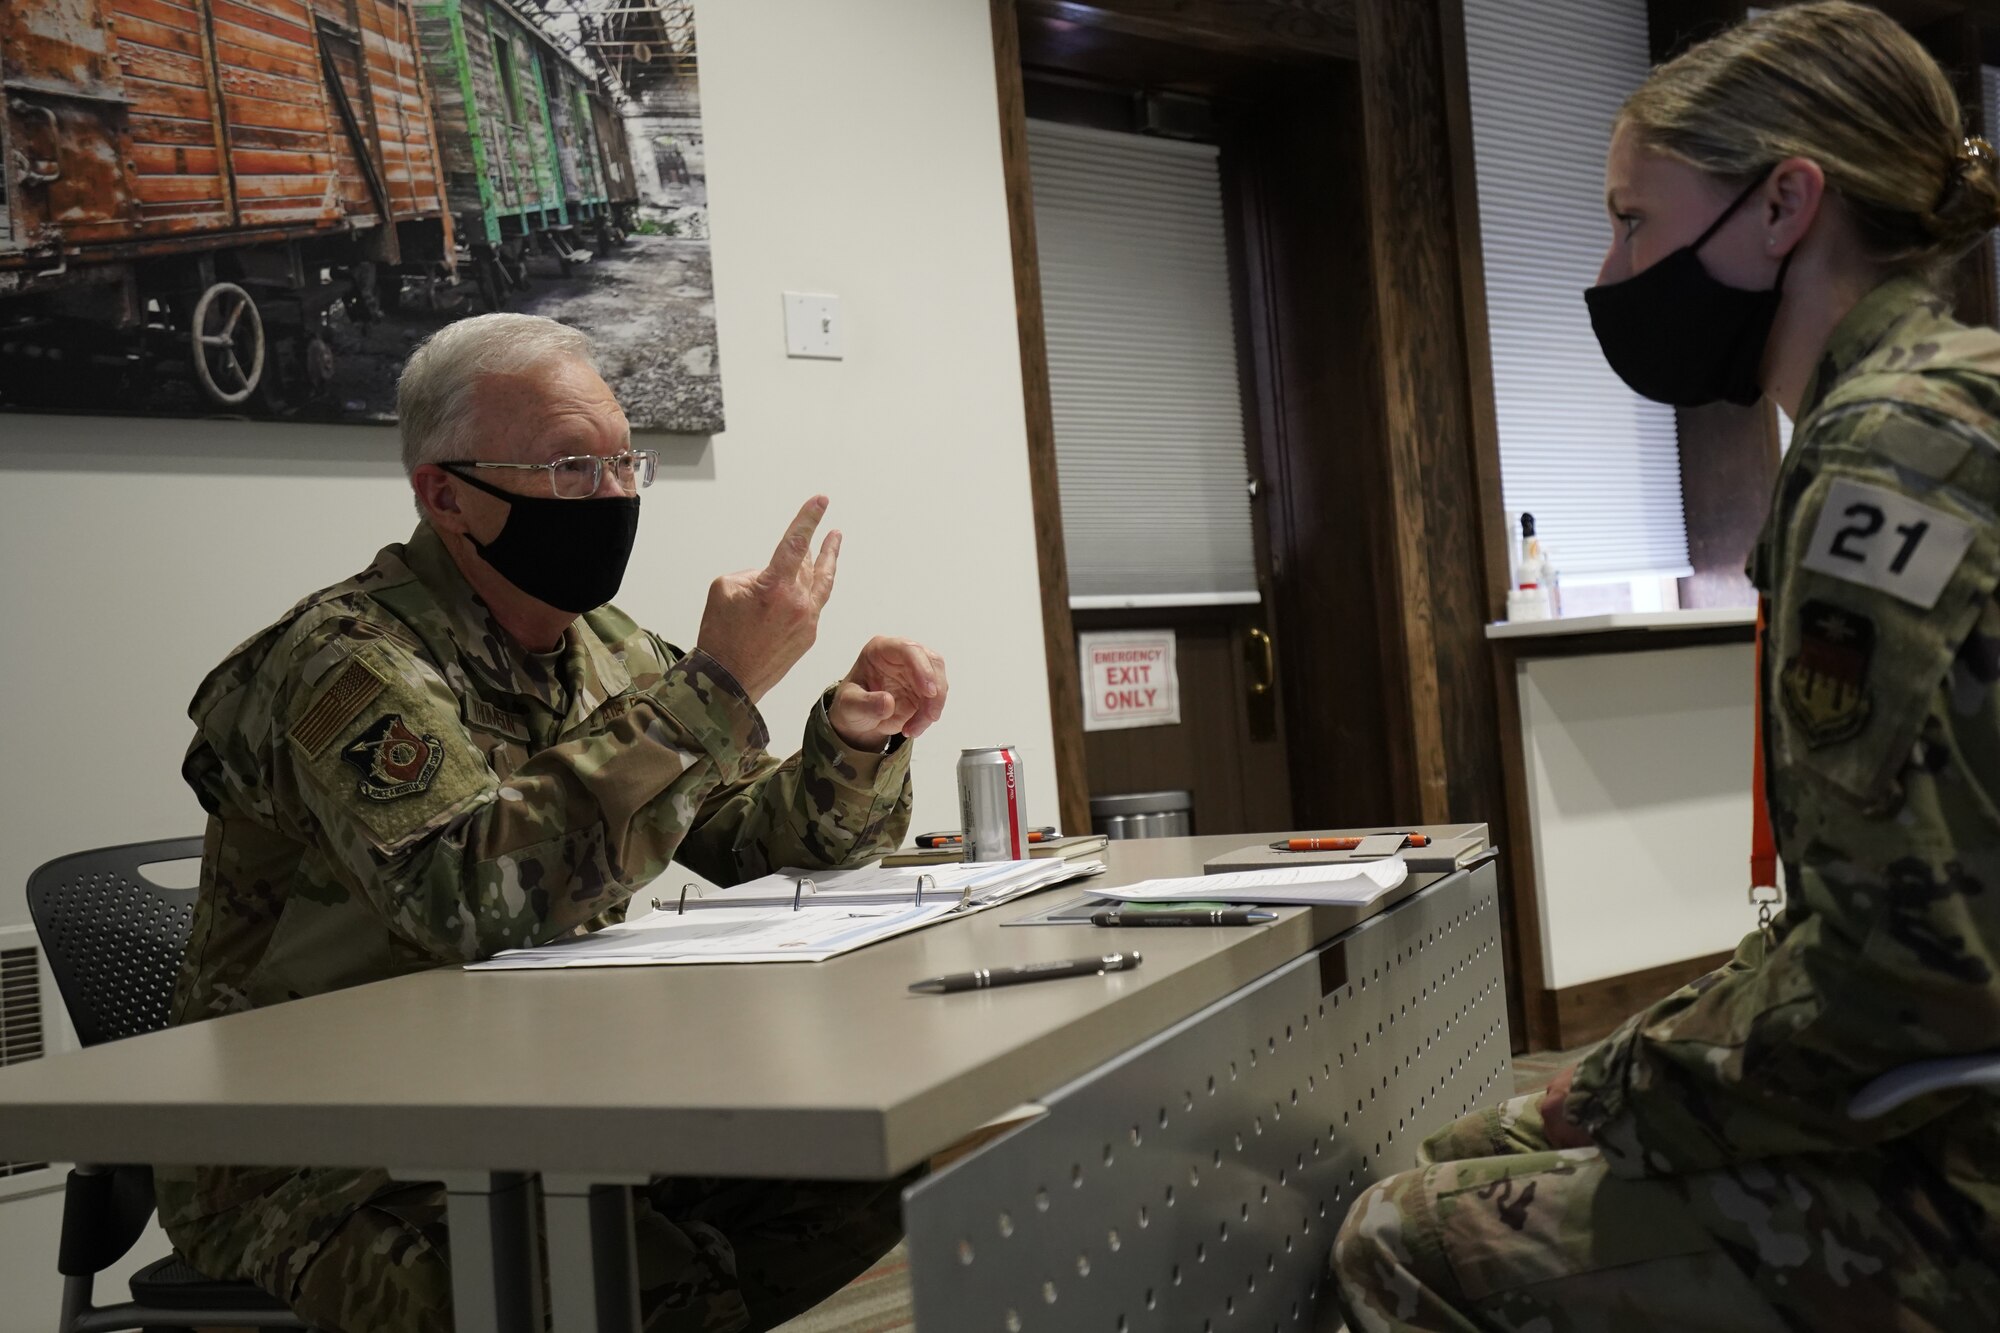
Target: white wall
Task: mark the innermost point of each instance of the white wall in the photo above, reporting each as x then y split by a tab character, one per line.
852	149
30	1228
1638	770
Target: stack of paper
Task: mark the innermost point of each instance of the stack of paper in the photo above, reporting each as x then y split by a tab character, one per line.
1353	884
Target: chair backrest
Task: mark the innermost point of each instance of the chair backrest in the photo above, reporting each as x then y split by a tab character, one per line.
113	938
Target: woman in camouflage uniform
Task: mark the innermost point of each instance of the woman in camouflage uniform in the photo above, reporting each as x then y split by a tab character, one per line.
1785	200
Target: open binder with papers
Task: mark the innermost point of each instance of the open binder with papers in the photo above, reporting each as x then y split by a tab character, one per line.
794	916
973	884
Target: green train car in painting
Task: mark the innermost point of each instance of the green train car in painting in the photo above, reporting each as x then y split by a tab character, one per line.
534	156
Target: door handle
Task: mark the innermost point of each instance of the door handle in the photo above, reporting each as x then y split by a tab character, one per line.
1263	661
38	171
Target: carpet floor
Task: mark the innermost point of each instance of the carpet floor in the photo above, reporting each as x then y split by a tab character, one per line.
879	1300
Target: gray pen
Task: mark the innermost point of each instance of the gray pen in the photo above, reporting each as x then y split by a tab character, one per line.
1207	916
1013	976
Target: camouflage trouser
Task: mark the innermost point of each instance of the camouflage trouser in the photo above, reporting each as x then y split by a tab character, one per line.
354	1252
1496	1230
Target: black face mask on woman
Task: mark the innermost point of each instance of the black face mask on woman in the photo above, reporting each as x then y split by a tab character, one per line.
568	553
1677	335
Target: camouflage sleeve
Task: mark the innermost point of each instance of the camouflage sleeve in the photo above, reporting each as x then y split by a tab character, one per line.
827	805
1882	708
462	863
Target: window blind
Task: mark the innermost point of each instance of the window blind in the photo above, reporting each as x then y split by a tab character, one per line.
1598	466
1142	368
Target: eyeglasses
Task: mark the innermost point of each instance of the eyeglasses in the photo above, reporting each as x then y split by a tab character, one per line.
578	476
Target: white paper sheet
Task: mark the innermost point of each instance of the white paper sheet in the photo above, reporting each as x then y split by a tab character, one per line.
1352	884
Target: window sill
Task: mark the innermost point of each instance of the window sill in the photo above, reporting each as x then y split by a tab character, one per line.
1660	622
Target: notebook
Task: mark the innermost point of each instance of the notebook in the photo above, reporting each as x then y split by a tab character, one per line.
1081	847
1443	854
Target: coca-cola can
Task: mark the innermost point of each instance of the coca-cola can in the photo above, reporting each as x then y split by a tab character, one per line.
989	804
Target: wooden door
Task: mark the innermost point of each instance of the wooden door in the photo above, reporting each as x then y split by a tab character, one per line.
1229	749
1373	392
1148	353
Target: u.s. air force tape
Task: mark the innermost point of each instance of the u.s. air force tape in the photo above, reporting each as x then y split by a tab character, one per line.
1884	540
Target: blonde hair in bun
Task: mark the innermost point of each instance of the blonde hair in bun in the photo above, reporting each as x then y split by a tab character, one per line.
1845	86
1969	205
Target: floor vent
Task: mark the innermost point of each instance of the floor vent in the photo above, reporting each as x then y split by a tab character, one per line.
22	1032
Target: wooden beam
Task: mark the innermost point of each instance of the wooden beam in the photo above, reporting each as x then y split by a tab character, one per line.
1485	436
1410	252
1422	230
1269	28
1058	634
1434	552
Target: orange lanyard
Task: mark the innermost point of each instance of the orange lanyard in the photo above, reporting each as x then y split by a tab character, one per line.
1763	842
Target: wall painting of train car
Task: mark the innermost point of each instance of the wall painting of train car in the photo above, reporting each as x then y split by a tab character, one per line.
256	208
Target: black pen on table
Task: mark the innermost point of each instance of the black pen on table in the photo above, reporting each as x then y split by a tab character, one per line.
1210	916
1014	976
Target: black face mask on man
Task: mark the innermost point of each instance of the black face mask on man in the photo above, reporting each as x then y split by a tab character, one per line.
1677	335
568	553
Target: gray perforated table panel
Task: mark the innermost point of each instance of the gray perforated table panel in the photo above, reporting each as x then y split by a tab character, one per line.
1196	1182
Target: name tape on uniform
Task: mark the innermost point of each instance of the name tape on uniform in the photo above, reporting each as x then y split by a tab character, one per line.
1887	541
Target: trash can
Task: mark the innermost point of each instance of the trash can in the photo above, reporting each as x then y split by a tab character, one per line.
1144	814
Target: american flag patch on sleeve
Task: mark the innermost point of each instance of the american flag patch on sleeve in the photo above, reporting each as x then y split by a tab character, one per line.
337	705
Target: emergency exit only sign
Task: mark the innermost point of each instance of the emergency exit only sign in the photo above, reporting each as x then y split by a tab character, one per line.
1129	679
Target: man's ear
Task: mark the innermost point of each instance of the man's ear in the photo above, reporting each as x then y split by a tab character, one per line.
437	495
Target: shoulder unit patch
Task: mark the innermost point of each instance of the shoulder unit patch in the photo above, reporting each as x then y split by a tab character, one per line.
392	759
1825	684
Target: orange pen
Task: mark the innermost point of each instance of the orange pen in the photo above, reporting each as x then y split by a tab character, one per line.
1338	844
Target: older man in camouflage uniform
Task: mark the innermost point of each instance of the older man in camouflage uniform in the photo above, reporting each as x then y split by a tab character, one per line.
1701	1170
428	763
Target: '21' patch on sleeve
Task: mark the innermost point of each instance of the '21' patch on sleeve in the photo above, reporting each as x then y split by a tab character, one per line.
1887	541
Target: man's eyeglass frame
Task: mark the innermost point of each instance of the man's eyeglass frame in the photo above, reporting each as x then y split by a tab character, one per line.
640	466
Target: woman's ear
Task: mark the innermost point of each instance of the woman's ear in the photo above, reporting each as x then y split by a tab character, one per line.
1792	198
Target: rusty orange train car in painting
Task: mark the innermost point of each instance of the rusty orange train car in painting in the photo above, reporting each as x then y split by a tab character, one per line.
192	185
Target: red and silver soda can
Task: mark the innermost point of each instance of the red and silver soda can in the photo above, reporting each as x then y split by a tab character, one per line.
989	804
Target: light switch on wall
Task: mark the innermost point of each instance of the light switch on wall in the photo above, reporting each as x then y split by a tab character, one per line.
813	326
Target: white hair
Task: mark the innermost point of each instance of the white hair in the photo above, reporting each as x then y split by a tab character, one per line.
435	395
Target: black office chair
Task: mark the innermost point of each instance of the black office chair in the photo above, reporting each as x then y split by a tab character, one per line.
114	941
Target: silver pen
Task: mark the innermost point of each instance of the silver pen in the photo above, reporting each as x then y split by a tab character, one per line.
1014	976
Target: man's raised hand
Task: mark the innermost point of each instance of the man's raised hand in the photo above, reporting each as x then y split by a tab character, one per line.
759	622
